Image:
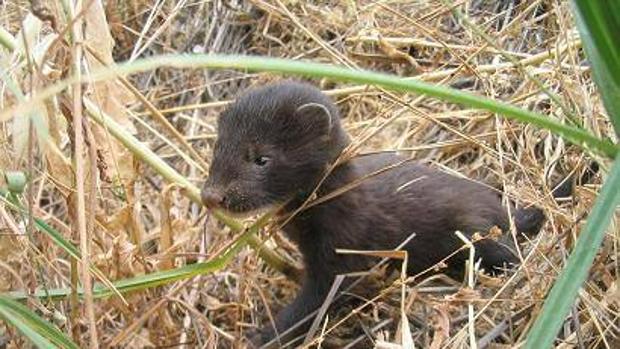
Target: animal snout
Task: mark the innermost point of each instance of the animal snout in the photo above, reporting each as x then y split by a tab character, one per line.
212	197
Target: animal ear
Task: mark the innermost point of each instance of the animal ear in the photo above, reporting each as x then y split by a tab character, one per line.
317	115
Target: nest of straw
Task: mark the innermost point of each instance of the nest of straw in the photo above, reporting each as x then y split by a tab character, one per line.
407	38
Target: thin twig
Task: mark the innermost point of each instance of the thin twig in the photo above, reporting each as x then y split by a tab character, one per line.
470	284
81	178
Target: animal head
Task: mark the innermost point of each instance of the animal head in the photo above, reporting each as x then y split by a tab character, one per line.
274	143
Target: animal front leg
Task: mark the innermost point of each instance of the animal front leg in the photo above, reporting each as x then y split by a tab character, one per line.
287	322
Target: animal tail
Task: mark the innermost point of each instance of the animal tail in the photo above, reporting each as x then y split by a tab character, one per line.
529	220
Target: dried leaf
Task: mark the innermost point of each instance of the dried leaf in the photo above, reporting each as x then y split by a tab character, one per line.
58	165
111	98
393	52
441	325
30	42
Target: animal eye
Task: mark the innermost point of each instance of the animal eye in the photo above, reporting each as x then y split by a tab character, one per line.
262	160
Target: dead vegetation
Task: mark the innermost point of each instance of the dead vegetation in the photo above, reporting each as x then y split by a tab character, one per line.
140	224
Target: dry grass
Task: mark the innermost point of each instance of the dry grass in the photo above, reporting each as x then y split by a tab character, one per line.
150	226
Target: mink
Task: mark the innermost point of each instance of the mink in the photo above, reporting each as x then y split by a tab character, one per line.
275	145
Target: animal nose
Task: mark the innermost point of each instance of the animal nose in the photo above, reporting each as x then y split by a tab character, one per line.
212	197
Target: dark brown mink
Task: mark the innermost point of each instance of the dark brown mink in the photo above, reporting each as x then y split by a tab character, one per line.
274	146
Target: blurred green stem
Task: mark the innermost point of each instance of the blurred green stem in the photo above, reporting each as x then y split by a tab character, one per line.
289	67
562	296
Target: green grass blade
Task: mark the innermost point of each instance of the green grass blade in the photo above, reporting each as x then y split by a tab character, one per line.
17	322
57	238
141	282
290	67
40	332
161	277
599	26
564	291
529	75
7	40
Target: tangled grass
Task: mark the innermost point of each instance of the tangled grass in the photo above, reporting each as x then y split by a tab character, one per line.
529	55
